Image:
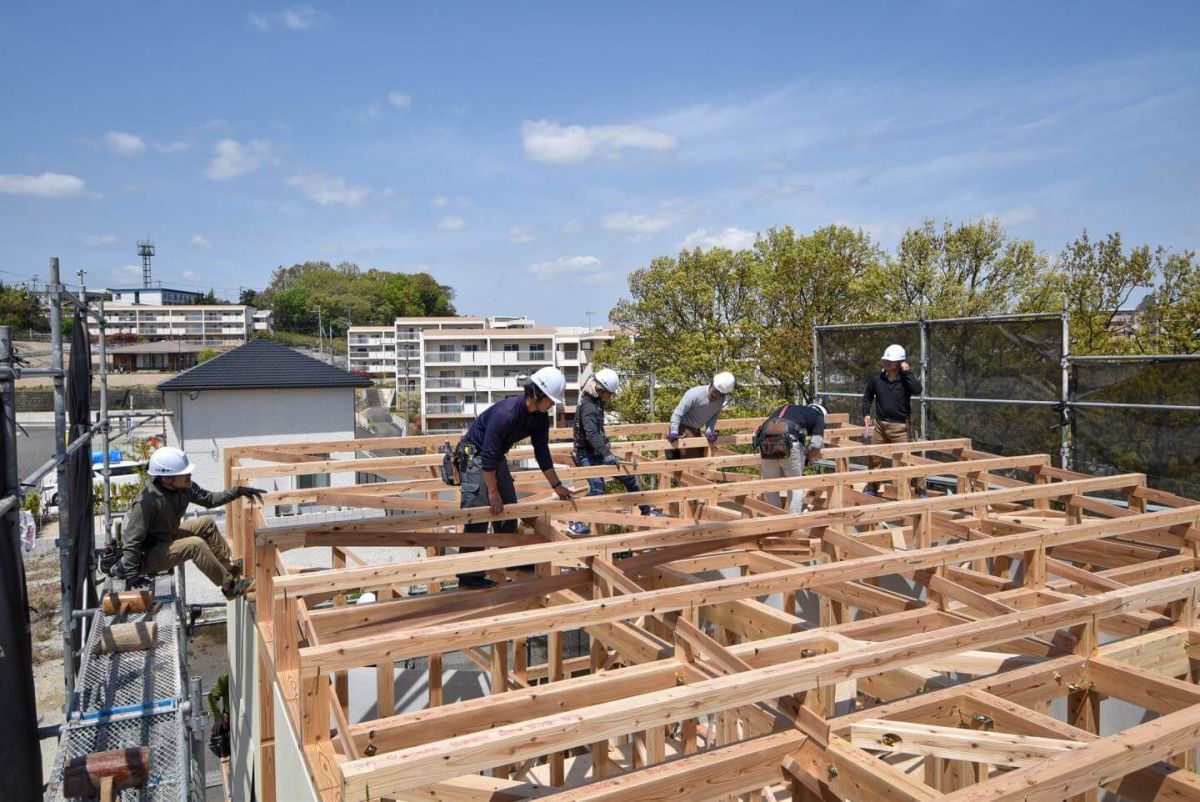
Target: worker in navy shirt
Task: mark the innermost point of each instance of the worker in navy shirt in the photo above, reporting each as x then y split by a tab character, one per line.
482	455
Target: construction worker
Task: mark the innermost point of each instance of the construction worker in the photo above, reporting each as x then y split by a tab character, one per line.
890	392
698	411
483	464
788	437
591	443
156	538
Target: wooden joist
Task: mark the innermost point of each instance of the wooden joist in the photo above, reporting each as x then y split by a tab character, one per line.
868	648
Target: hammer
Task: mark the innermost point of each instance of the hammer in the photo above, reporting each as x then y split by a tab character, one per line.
105	773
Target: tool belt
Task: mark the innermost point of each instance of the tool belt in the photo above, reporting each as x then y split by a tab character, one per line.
455	461
776	436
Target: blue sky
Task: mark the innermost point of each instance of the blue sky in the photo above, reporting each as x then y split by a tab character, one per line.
532	154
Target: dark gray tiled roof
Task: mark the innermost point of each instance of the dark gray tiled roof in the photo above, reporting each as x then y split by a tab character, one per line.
262	364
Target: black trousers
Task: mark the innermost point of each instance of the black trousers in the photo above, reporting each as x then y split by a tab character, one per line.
474	493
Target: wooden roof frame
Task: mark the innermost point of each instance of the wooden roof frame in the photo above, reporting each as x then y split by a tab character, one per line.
1022	584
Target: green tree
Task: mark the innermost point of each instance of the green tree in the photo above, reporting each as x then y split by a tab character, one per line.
348	295
253	298
206	354
1169	319
693	315
1096	281
210	298
959	270
21	309
802	280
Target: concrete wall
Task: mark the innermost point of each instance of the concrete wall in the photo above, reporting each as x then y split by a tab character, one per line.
42	400
205	425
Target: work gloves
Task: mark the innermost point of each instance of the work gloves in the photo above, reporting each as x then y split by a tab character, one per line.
611	459
672	437
252	493
711	434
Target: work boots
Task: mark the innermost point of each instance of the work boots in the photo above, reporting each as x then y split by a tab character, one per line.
236	588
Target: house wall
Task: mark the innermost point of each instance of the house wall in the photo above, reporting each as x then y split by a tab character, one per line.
216	419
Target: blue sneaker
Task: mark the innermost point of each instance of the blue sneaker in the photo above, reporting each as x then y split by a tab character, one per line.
579	528
870	491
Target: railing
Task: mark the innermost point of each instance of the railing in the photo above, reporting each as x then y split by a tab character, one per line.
447	409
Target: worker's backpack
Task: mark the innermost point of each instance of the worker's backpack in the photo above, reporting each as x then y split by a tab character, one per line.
775	436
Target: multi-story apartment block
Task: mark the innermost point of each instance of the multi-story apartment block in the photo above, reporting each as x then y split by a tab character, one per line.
218	325
466	370
154	296
453	368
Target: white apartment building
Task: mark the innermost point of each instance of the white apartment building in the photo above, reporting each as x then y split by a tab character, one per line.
153	296
455	367
217	325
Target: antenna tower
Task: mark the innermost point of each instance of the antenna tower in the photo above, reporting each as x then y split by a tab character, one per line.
146	250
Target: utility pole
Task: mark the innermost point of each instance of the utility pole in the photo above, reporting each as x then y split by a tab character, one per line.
589	317
320	336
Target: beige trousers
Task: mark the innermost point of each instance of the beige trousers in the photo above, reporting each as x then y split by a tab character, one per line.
885	431
197	540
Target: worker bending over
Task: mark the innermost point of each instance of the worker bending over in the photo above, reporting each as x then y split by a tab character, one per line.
698	411
481	456
789	436
890	392
591	443
156	538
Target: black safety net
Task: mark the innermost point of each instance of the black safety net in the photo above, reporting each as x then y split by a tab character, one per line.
1017	358
850	356
80	525
1161	443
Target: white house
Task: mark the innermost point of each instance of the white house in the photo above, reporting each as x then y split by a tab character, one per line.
259	393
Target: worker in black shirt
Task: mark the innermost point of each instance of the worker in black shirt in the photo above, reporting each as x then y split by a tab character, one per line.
483	461
791	435
890	392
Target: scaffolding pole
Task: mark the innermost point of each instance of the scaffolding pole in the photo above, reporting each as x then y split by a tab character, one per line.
63	542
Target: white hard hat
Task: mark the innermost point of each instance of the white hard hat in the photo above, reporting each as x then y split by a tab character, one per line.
551	382
168	461
608	379
894	353
724	383
819	408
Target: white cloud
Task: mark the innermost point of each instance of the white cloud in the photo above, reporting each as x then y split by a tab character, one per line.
631	223
733	238
441	201
520	235
329	190
371	112
586	269
552	143
189	274
232	158
295	18
400	99
96	240
44	185
123	143
573	226
201	243
452	222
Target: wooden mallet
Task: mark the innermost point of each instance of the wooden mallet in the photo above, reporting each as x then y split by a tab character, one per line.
105	773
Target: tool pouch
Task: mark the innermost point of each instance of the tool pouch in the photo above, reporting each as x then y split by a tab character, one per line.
450	473
109	556
775	437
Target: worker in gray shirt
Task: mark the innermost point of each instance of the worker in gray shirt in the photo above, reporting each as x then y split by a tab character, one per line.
698	411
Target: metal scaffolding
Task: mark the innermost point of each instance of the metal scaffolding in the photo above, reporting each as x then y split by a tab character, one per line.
140	698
